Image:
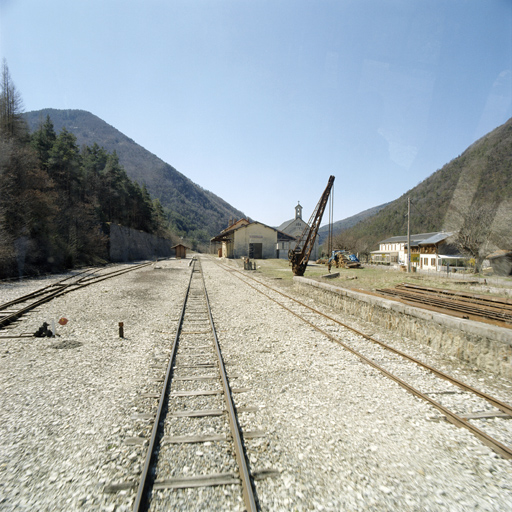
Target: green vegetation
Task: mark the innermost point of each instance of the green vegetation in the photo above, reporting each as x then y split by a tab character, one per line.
54	196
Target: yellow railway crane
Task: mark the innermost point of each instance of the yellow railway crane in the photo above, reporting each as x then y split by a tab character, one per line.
299	256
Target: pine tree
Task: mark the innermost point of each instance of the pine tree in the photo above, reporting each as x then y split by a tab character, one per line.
43	140
64	166
160	219
94	160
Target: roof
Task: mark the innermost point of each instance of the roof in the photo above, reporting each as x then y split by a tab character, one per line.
238	224
453	257
224	235
285	237
435	239
179	245
420	238
285	224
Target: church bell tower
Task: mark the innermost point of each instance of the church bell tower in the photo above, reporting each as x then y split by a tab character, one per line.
298	211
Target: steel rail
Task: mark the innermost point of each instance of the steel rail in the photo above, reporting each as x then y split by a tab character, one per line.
503	406
37	293
146	478
450	304
115	273
62	291
477	299
248	491
496	445
14	316
463	301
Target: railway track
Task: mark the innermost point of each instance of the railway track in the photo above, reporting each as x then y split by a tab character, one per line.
13	310
491	310
196	424
483	415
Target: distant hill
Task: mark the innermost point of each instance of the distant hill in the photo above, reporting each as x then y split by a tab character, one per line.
479	177
342	225
192	209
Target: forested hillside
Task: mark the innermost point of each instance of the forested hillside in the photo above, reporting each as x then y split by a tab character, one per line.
192	211
472	191
55	196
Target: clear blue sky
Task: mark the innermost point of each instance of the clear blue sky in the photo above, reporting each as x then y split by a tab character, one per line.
260	101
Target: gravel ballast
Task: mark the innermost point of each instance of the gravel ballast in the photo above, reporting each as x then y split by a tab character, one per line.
337	434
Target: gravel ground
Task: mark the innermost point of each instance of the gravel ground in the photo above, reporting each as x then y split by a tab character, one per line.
67	403
340	435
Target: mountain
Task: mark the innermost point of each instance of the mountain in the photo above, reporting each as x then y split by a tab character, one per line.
342	225
479	180
192	210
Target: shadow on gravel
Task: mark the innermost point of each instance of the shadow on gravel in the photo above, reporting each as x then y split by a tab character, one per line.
67	344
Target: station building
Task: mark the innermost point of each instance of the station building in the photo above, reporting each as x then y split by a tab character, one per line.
245	238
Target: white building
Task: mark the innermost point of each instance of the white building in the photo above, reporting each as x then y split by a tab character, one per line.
429	251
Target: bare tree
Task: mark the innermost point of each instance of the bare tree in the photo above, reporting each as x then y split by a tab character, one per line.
481	225
11	107
486	228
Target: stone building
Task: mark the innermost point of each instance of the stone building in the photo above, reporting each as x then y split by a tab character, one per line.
245	238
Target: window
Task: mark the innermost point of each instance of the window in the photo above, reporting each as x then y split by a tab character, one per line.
433	262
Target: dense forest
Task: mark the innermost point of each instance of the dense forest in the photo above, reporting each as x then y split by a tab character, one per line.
55	196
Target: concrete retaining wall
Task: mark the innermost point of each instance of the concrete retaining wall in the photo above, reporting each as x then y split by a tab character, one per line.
126	244
481	345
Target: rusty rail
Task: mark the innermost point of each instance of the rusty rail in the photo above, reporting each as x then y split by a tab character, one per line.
494	444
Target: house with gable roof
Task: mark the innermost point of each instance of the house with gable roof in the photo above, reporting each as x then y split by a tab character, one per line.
429	251
252	239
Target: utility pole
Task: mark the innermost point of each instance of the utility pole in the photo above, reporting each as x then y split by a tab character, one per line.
409	235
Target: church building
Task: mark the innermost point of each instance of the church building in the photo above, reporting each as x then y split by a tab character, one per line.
295	227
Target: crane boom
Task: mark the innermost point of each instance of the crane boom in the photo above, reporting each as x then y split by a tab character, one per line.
299	256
